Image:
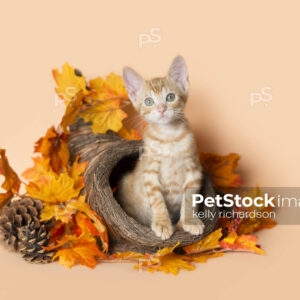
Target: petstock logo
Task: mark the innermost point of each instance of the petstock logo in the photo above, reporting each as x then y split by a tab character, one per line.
281	204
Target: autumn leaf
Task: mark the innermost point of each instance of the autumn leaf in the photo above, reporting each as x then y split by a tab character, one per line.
86	220
84	225
54	188
41	165
203	257
112	86
67	238
253	223
63	213
84	253
106	96
221	168
130	134
128	256
11	182
76	172
165	260
208	243
243	242
54	146
229	225
98	223
72	111
170	263
56	232
83	250
106	115
69	82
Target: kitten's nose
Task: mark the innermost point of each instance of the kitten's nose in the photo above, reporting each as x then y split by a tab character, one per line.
161	109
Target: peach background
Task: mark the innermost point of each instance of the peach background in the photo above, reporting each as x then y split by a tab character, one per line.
232	48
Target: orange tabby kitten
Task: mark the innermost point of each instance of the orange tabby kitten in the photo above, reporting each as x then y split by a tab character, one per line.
159	189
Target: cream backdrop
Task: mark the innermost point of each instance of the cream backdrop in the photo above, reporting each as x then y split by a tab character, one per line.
233	49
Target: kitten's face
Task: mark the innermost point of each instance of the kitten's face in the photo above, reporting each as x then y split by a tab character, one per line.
159	100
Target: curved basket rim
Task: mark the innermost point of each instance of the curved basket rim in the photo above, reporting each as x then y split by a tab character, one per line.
122	225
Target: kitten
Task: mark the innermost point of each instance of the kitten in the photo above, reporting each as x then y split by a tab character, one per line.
153	193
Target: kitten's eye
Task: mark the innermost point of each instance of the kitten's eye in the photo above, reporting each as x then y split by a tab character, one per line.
149	101
170	97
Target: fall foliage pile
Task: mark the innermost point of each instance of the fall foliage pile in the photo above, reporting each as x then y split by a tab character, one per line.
78	235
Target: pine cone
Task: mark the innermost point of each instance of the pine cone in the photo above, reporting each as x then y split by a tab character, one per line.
23	231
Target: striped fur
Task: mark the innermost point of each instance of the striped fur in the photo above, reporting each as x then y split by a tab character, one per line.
169	168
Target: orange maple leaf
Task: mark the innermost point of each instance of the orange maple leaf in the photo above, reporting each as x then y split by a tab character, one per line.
85	219
11	183
55	147
254	224
130	134
56	232
220	169
98	223
83	250
243	242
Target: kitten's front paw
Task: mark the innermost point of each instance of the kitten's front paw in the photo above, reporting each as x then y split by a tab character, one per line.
162	228
195	229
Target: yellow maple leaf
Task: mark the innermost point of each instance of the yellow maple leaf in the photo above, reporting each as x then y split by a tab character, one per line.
169	263
76	172
60	213
54	188
112	86
128	256
203	257
105	115
163	260
72	111
69	83
208	243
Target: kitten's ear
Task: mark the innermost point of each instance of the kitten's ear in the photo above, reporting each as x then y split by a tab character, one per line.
133	82
178	73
